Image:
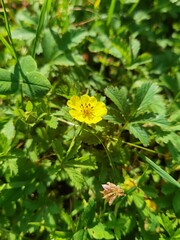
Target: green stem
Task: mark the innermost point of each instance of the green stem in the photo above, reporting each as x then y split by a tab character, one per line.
8	29
108	155
73	141
140	147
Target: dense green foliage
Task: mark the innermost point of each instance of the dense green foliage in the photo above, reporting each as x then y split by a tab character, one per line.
52	167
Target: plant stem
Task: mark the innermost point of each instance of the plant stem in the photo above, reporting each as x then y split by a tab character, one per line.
108	155
143	148
8	29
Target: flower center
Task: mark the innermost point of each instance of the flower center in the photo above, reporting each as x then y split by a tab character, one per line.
87	110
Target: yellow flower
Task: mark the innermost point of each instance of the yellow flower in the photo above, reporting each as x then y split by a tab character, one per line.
129	183
86	109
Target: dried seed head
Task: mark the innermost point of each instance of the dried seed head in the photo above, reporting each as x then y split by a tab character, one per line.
111	192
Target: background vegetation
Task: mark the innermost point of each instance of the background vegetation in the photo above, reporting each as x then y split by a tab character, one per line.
126	54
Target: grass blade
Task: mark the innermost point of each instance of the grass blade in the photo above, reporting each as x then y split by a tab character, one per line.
8	46
45	9
110	12
7	26
160	171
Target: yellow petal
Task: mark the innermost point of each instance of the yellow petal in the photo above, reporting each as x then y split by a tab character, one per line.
74	102
93	101
85	99
96	120
100	109
86	109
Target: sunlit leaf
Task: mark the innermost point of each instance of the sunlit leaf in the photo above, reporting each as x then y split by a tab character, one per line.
140	133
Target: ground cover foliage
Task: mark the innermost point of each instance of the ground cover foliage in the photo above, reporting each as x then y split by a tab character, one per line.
53	168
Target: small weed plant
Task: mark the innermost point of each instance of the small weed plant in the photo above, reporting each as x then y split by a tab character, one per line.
89	120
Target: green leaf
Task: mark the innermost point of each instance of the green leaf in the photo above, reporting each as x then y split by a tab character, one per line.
139	132
96	46
29	106
152	119
86	162
176	235
139	200
144	97
8	82
135	47
160	171
176	204
142	59
52	121
69	59
35	84
10	167
80	235
100	231
86	219
60	235
5	144
119	98
76	177
167	224
58	149
23	34
49	44
28	64
9	130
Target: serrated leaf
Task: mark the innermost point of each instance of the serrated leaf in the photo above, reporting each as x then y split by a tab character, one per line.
52	122
9	130
144	97
166	223
160	171
96	46
76	37
86	162
174	150
35	85
69	59
135	46
139	200
176	235
119	98
100	231
80	235
88	214
150	118
10	167
76	177
139	132
89	138
60	235
5	144
58	149
114	116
